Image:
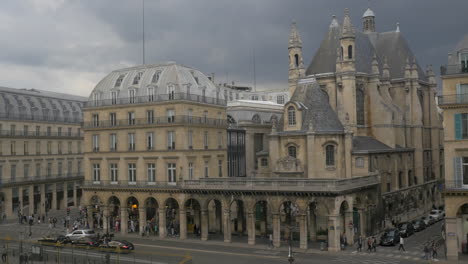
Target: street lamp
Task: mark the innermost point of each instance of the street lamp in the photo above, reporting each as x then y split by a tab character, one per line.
290	251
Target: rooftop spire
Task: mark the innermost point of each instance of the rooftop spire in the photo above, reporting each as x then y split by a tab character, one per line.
294	38
347	29
386	69
334	23
397	27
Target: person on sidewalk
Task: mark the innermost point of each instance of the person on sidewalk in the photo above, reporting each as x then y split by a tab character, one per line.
402	244
270	240
369	244
426	252
434	250
359	248
4	254
374	244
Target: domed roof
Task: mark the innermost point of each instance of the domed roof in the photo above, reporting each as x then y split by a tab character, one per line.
368	13
162	78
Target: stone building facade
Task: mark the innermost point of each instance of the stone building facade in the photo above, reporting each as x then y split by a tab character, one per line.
40	151
454	102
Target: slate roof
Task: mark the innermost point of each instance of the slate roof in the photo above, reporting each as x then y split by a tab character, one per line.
391	45
362	144
315	109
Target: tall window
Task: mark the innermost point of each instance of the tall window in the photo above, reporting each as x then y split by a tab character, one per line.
220	139
132	173
49	146
205	139
59	131
69	168
190	139
13	171
190	170
171	173
26	171
150	116
205	117
150	94
113	142
350	52
464	62
49	170
78	167
150	140
69	132
95	143
96	173
25	130
170	116
151	172
131	141
131	95
291	116
59	169
119	80
114	173
171	92
330	155
280	99
95	119
360	107
38	130
137	78
38	170
114	97
155	78
95	123
38	147
59	147
296	60
131	118
113	119
220	168
26	147
190	115
292	151
206	169
170	140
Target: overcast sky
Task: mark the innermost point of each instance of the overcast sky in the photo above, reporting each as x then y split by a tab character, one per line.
69	45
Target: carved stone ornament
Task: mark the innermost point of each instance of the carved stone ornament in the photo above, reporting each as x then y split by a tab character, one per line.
289	164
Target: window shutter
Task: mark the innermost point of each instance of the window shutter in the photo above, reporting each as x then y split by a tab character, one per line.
459	94
458	126
457	169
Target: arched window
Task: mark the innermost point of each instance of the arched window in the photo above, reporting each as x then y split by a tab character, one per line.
350	52
155	78
256	119
330	155
360	107
292	151
359	162
291	116
296	60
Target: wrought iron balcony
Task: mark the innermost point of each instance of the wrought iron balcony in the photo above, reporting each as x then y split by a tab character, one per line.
453	99
160	120
41	118
156	98
250	184
455	186
453	69
5	182
22	133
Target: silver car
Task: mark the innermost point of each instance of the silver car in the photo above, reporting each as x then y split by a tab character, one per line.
81	233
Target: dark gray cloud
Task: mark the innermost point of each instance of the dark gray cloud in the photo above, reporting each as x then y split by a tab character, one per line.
70	44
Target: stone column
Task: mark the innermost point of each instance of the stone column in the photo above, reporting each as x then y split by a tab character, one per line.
451	238
105	222
90	219
54	196
162	222
123	220
142	219
312	227
75	195
334	233
276	230
251	228
227	225
349	229
363	221
183	223
20	199
43	199
204	224
65	196
31	199
8	192
303	231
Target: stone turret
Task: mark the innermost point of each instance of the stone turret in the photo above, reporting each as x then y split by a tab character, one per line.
375	65
368	21
296	63
385	70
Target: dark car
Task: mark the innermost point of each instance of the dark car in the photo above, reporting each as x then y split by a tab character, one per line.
120	246
419	225
406	229
391	237
86	241
54	240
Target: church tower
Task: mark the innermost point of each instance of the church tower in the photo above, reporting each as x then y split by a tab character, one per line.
296	63
368	21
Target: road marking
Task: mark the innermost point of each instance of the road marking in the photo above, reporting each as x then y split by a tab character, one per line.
210	251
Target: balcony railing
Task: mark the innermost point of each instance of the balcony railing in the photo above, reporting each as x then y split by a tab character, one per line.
453	69
41	118
40	179
22	133
453	99
160	120
455	186
156	98
251	184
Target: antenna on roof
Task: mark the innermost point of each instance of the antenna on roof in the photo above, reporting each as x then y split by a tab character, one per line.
143	28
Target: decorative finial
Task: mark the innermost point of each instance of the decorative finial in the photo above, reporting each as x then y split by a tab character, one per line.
346	12
397	27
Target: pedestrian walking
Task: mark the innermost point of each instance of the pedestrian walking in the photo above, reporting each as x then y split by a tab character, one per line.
4	254
374	244
359	248
434	250
402	244
369	244
270	239
426	252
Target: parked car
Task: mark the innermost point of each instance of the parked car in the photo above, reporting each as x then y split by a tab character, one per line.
419	225
117	245
81	233
406	229
54	240
437	214
86	241
428	220
390	237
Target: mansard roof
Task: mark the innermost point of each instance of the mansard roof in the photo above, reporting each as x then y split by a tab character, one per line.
363	144
391	45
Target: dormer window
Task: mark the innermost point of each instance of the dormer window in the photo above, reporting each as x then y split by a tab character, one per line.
119	80
155	78
114	97
96	97
464	61
150	94
291	116
131	95
195	77
171	92
137	78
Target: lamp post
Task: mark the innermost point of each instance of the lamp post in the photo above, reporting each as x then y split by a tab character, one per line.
290	251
